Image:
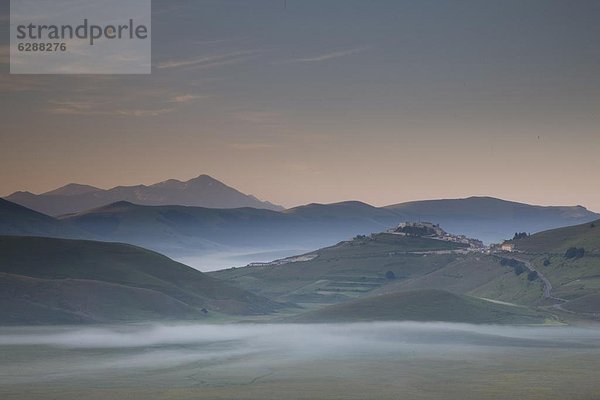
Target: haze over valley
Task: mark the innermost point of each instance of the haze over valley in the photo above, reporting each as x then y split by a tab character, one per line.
300	200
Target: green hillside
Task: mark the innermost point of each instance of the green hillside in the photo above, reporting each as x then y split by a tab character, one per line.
574	279
28	301
382	264
46	280
476	275
346	270
424	305
557	241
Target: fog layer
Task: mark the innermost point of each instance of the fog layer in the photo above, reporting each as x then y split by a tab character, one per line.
232	356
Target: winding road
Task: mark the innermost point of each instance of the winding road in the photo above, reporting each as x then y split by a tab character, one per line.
547	285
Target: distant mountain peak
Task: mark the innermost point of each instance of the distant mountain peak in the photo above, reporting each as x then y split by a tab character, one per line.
203	177
341	204
72	189
479	200
168	182
201	191
121	203
204	180
200	180
21	193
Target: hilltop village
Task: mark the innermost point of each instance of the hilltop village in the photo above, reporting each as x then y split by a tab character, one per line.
414	229
433	231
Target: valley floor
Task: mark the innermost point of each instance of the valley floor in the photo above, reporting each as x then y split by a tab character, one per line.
403	360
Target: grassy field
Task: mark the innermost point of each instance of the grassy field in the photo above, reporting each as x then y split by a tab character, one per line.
424	305
476	275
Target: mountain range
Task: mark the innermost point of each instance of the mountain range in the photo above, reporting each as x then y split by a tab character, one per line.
175	228
203	191
186	231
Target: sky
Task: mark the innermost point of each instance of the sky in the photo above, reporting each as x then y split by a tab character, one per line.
304	101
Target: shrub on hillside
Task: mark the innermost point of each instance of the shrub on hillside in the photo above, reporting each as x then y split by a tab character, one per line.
532	276
520	235
546	262
519	269
574	252
516	265
390	275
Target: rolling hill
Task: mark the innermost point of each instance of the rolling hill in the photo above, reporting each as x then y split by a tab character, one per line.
67	281
423	305
559	240
575	279
177	230
19	220
203	191
347	210
383	264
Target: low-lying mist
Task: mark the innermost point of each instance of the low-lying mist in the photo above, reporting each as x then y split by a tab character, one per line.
213	261
231	356
292	337
157	345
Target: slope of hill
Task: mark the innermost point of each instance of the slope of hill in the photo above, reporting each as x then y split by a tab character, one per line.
382	264
490	219
18	220
559	240
57	280
203	191
178	230
345	209
575	279
423	305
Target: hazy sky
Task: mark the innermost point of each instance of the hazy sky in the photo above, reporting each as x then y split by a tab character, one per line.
323	101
